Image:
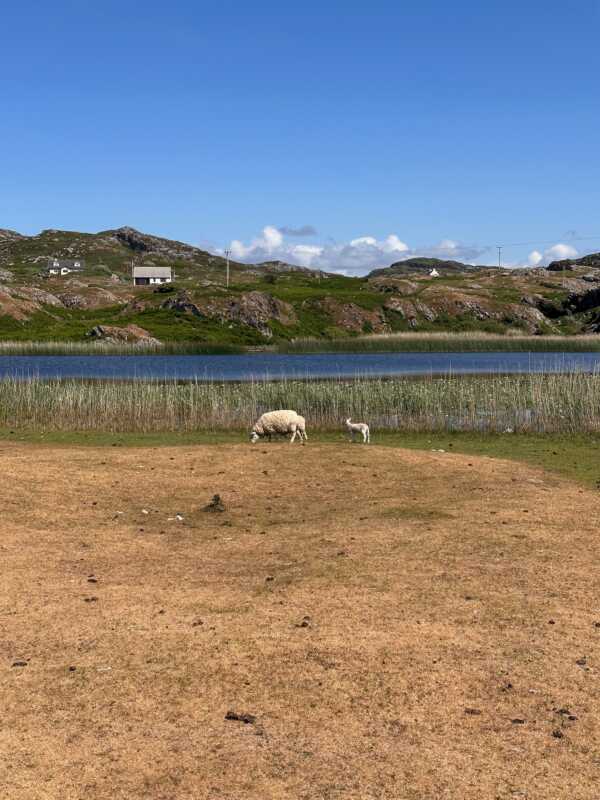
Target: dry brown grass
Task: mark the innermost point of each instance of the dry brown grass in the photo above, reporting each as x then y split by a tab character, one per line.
430	580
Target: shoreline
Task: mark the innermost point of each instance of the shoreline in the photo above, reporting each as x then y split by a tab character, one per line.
432	342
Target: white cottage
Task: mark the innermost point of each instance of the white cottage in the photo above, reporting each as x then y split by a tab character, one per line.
64	266
145	276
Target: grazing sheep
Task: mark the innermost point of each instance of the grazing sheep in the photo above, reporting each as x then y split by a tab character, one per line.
358	427
282	422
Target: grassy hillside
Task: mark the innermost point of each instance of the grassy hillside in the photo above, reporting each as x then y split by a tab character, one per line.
273	303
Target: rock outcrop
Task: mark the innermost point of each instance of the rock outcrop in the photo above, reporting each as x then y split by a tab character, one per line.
182	303
95	298
391	284
131	334
591	260
254	309
350	316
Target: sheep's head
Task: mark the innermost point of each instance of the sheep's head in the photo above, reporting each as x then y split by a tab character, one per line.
348	421
254	437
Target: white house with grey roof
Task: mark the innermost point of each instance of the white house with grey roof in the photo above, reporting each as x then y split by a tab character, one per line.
145	276
64	266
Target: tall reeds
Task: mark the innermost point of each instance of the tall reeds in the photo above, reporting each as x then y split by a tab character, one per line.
373	343
102	348
443	342
531	402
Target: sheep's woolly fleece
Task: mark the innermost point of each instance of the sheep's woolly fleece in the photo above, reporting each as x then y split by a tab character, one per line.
284	421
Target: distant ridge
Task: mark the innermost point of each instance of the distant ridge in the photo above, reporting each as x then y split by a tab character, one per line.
418	265
284	266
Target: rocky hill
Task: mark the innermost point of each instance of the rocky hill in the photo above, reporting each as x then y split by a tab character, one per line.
568	264
423	266
272	301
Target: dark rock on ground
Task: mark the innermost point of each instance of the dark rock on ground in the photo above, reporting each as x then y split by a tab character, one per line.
215	505
247	719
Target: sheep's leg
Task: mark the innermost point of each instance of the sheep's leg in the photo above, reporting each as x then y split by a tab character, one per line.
294	432
368	436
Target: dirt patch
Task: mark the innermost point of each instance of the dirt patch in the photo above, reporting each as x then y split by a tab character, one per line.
310	641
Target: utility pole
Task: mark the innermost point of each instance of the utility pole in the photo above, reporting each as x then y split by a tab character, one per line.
499	248
227	254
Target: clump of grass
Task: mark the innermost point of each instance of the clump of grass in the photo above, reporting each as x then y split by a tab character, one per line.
535	403
443	342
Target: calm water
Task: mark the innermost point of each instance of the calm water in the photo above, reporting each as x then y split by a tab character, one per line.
272	365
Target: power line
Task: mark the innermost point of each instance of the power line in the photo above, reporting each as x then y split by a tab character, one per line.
550	241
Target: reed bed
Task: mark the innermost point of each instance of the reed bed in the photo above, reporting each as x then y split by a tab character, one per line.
373	343
566	403
443	342
100	348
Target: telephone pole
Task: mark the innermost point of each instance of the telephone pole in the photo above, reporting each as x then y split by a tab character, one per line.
227	254
499	248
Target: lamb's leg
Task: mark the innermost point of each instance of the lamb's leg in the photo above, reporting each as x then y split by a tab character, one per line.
368	436
364	435
294	432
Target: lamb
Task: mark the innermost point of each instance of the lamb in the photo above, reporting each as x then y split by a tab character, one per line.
358	427
281	422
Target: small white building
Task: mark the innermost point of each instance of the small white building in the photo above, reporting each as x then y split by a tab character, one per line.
63	266
434	273
145	276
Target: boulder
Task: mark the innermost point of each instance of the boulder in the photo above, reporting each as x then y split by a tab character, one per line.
131	334
40	296
183	303
560	266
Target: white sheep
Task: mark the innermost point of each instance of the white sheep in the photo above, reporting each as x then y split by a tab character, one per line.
274	423
358	427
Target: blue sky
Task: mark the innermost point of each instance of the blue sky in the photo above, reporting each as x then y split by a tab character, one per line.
390	128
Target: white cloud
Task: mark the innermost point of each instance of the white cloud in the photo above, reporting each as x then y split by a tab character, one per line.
393	245
364	241
357	256
270	241
560	251
557	252
448	244
534	258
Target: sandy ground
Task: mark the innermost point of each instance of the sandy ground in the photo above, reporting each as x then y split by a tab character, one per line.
398	624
